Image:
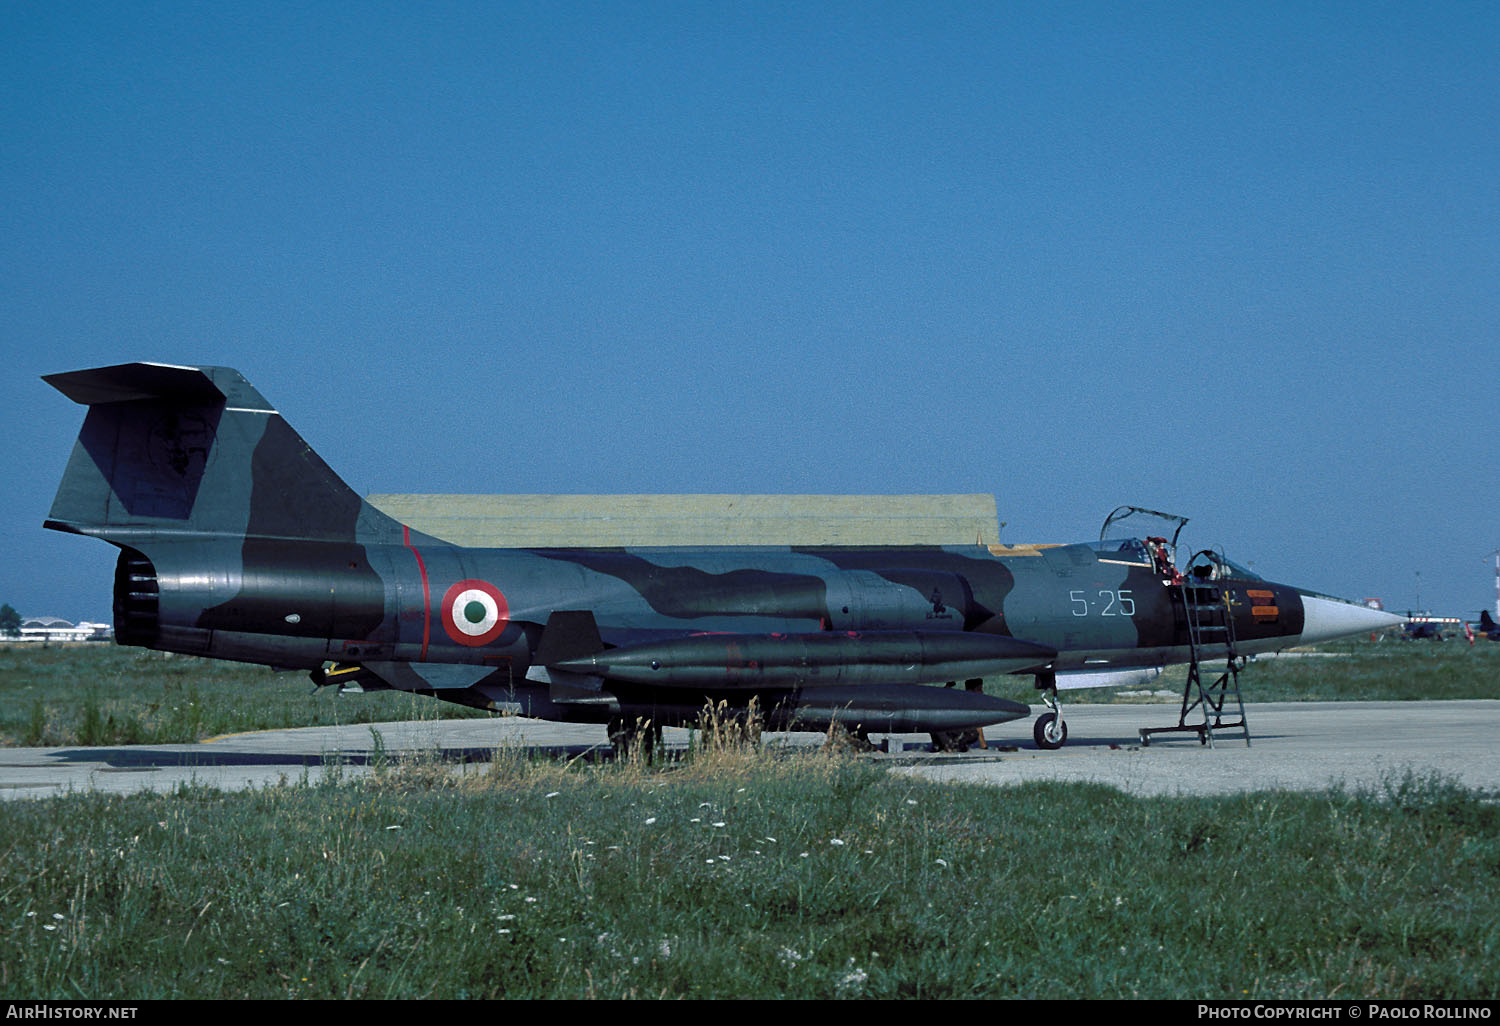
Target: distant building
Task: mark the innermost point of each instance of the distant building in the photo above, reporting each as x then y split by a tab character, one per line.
550	521
39	629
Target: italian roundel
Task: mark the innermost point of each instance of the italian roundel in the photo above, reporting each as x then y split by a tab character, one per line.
474	612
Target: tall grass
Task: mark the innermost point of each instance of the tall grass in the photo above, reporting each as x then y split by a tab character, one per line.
734	874
95	694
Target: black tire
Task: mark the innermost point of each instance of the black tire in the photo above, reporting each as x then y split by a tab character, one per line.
1044	734
948	741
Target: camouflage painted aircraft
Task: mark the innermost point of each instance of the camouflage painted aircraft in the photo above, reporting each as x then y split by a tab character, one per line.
1419	630
1488	628
238	542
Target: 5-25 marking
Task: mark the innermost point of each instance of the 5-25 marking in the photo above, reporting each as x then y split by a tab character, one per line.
1116	603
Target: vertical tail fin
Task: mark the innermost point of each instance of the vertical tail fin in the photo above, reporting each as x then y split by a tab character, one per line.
168	452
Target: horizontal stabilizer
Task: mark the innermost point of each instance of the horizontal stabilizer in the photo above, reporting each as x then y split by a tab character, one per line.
128	382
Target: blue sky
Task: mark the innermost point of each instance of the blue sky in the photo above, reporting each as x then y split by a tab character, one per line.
1236	261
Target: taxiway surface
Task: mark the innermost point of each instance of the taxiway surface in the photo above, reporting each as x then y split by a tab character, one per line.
1294	745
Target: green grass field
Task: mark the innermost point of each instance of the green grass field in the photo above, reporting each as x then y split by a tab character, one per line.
739	875
727	874
97	694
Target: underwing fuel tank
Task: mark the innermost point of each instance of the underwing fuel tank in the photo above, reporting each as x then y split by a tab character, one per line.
903	708
778	661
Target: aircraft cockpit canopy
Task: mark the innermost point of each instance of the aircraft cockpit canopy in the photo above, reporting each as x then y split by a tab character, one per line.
1122	550
1209	565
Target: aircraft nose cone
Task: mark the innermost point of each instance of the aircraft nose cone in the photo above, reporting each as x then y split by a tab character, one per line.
1325	619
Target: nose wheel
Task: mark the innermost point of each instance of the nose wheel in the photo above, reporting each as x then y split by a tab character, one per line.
1050	732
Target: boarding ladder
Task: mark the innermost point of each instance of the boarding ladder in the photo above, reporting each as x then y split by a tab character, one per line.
1209	622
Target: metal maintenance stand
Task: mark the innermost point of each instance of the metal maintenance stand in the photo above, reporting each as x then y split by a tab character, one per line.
1210	623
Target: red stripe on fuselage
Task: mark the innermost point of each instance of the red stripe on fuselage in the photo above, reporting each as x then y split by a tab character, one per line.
426	593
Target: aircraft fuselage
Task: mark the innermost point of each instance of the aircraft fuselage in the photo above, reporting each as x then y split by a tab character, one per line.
301	603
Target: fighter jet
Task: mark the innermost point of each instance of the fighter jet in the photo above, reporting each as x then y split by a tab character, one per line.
238	542
1487	625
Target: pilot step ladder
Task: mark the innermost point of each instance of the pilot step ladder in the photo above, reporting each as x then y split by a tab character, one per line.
1206	615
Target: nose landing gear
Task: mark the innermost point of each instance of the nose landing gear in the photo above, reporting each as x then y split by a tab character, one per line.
1049	732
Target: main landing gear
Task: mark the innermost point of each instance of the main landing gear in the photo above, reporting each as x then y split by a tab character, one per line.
1049	732
960	740
957	740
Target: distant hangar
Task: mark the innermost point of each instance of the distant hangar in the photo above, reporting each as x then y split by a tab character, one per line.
549	521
